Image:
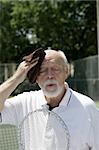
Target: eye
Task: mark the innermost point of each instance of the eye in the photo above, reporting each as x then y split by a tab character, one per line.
56	70
43	70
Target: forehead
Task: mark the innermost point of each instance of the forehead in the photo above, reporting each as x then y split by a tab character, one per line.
52	57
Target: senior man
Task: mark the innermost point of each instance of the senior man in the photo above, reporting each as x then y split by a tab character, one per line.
77	111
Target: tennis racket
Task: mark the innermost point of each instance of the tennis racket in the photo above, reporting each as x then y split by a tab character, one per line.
39	130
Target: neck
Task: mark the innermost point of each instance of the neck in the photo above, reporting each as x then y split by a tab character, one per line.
54	101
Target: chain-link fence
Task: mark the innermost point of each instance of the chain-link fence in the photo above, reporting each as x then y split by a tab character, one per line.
6	70
84	77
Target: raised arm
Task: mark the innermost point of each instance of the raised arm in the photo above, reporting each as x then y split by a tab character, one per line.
18	77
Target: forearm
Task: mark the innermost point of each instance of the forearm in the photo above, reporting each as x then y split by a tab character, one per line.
10	85
6	89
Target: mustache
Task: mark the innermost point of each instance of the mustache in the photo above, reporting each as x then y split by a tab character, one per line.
50	81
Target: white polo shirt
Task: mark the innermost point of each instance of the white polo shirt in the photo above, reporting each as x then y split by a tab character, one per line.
76	110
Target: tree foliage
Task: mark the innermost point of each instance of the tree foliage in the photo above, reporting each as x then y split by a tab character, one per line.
67	25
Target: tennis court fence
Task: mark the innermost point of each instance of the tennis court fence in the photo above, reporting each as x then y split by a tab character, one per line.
84	77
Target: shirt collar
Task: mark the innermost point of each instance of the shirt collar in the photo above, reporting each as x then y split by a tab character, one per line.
66	99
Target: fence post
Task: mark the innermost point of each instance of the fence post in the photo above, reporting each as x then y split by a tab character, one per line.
98	33
5	72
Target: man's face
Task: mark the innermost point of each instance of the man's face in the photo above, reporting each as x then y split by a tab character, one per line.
52	74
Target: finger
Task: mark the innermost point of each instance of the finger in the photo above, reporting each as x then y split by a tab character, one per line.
29	65
34	60
33	64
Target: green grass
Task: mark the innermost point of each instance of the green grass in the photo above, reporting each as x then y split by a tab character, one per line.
97	104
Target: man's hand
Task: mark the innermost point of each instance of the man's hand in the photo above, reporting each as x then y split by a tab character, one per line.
34	71
23	68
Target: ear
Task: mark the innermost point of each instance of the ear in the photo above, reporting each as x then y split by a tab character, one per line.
67	71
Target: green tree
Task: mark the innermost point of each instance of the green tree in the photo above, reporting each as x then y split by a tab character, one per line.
66	25
5	31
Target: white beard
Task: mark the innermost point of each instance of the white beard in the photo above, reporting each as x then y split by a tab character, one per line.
52	93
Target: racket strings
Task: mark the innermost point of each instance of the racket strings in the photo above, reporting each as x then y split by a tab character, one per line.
62	131
8	137
25	134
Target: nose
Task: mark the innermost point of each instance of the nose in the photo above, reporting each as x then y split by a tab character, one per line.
50	73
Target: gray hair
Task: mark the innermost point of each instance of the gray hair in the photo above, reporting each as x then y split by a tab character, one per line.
62	54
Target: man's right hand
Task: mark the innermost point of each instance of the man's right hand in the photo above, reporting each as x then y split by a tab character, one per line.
19	76
23	68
